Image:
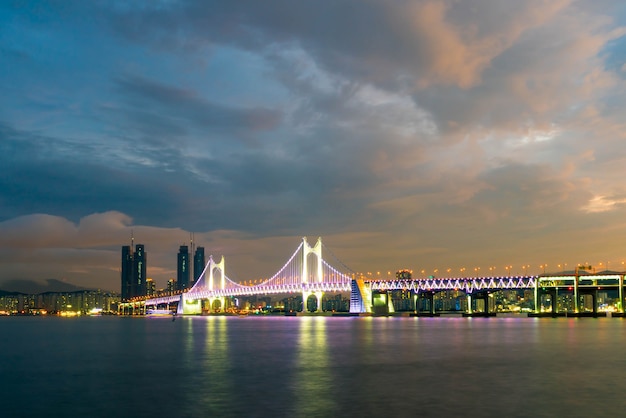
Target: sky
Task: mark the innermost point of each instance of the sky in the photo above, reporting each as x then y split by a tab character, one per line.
446	137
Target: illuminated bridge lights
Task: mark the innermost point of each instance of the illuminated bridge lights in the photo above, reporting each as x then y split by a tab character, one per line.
467	285
298	275
295	276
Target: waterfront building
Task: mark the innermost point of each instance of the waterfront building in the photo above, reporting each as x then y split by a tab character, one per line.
150	287
133	272
402	300
403	274
336	303
182	271
171	286
10	302
198	263
79	301
293	303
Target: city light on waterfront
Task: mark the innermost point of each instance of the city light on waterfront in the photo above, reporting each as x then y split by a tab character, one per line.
445	137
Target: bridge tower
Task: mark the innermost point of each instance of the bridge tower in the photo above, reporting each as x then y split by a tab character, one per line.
319	274
222	285
190	306
220	266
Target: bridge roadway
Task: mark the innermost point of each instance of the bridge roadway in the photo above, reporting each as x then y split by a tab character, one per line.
300	275
469	285
466	284
546	289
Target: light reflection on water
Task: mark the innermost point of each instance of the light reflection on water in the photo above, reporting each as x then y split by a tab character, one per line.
312	366
312	380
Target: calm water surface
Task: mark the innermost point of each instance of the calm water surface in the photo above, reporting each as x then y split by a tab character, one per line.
312	367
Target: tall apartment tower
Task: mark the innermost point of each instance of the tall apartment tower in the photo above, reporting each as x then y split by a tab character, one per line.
133	271
198	263
150	287
127	272
183	273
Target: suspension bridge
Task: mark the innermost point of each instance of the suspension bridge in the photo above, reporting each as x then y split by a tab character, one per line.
307	273
299	274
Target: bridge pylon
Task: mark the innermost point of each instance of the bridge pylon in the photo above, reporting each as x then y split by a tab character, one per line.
222	285
319	274
220	266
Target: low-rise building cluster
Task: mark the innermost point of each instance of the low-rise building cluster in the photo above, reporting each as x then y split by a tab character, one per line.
79	302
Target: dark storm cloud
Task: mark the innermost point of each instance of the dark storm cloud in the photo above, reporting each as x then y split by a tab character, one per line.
39	176
488	42
185	106
264	193
384	43
259	192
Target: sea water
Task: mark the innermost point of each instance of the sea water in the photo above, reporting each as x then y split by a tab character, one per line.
219	366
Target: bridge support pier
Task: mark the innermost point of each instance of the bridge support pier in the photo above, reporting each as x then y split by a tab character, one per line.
621	294
221	300
189	306
318	297
360	297
483	296
430	297
594	301
553	295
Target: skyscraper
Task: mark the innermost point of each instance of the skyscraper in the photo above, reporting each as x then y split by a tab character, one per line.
140	269
183	268
127	270
150	287
171	286
198	263
133	271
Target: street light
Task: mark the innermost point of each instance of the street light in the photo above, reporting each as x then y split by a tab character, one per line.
607	265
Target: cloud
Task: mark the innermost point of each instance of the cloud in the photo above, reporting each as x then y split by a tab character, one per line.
603	204
87	253
435	130
183	105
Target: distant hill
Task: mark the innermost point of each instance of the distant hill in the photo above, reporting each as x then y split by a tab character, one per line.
35	287
5	293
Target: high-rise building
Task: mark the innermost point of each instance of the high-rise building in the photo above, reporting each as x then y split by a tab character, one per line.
127	270
140	269
150	287
404	274
133	271
171	286
183	268
198	263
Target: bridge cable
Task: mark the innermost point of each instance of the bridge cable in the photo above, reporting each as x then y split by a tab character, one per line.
337	258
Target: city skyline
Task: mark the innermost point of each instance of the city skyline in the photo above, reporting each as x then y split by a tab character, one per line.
426	135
